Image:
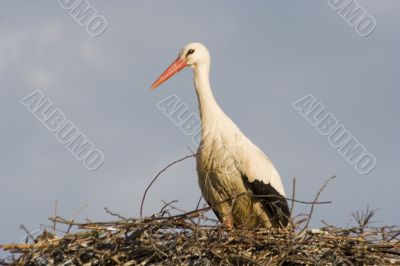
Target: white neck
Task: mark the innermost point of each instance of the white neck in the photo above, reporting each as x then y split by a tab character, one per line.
214	122
208	107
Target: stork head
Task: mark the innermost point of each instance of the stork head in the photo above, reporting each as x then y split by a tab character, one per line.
192	55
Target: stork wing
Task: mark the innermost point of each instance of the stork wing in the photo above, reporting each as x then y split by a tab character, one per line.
273	203
262	180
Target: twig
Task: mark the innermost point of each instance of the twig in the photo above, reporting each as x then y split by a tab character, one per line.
155	178
315	200
170	204
79	211
115	214
51	227
191	213
167	205
198	203
289	199
55	214
26	231
293	197
69	227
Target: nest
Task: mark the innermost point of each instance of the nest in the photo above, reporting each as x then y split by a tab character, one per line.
192	239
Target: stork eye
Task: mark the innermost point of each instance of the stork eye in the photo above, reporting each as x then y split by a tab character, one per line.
191	51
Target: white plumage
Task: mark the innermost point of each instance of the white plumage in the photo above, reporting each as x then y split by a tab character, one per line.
236	178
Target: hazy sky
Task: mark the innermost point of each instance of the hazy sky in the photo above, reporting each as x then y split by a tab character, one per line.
265	56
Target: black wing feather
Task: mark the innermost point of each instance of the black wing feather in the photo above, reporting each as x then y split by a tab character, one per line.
272	201
215	212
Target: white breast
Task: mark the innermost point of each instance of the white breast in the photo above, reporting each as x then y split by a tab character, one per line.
223	154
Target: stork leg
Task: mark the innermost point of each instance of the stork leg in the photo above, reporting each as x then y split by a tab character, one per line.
228	223
225	226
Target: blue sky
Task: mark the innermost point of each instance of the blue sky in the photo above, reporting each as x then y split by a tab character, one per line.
265	56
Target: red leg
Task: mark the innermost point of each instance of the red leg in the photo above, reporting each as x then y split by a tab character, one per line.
228	223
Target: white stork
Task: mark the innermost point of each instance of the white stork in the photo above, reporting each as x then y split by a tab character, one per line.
237	180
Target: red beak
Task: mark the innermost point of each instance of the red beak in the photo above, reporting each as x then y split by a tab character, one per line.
174	68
